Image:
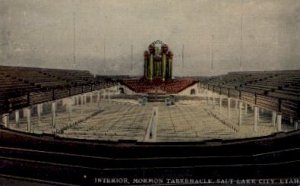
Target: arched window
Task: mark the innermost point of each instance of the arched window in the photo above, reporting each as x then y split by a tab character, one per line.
193	91
121	90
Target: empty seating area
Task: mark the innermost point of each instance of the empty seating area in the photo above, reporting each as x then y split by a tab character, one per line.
25	86
185	121
122	119
33	76
118	120
272	90
48	77
190	122
237	79
241	118
74	104
74	77
42	123
11	87
258	82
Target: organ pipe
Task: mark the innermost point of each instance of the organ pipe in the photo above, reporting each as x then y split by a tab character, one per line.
150	69
164	67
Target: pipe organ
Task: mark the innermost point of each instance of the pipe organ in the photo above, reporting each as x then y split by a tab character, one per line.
158	62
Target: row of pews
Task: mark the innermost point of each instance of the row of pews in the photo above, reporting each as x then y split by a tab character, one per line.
272	90
24	86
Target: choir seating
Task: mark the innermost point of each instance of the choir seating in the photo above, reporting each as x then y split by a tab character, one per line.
171	86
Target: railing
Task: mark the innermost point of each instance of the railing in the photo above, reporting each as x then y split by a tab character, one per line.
35	97
285	105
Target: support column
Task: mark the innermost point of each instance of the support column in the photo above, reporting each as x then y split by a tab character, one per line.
108	95
207	97
98	96
296	125
82	99
39	112
279	120
246	108
255	118
104	94
82	103
41	108
24	113
85	98
236	104
69	108
28	116
74	100
53	110
78	97
91	97
213	101
220	103
258	114
274	118
5	120
228	108
17	117
240	113
291	120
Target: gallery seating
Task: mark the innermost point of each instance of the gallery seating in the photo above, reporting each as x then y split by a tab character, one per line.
24	86
282	86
